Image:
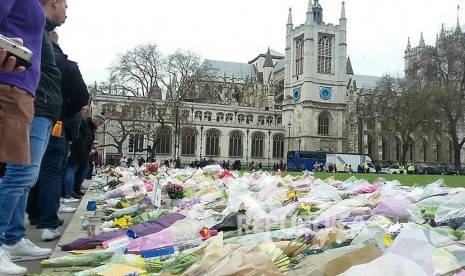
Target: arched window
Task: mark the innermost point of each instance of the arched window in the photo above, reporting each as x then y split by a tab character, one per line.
257	145
188	138
229	117
370	145
278	145
324	54
212	142
185	114
261	120
249	119
437	151
219	116
136	142
279	120
269	120
163	140
241	118
235	144
398	149
384	149
136	112
323	124
208	116
198	115
424	151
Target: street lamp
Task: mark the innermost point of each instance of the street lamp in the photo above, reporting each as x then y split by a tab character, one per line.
289	137
201	141
176	131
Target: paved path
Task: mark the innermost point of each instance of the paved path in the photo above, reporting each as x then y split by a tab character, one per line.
70	231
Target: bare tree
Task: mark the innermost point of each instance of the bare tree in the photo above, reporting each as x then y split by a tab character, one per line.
137	71
396	103
443	68
184	70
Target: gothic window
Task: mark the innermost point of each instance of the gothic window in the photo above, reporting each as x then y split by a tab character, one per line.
241	118
109	110
198	115
235	144
136	112
257	144
323	124
249	119
136	142
279	120
411	148
324	54
188	136
278	145
219	116
424	151
261	120
185	114
163	143
299	55
269	120
212	142
208	116
152	111
229	117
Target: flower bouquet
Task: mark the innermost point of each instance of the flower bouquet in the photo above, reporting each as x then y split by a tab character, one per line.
175	191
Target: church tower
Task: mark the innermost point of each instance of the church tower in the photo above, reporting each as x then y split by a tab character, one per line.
315	82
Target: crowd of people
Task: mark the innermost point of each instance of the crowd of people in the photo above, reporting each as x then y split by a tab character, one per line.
47	139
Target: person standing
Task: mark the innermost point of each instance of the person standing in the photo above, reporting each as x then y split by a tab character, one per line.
44	199
25	19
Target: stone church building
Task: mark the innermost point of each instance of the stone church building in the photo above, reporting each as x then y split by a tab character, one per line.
257	111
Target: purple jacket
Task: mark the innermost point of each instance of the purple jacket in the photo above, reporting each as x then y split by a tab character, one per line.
24	19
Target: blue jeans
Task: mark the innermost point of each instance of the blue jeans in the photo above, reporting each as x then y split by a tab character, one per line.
68	179
18	180
44	199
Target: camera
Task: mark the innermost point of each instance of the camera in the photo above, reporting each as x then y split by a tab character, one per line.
22	54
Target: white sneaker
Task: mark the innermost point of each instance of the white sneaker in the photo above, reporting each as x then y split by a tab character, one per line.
66	209
70	200
8	268
25	250
50	234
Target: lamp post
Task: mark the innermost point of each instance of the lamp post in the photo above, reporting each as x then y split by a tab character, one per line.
269	146
247	150
176	131
289	137
201	141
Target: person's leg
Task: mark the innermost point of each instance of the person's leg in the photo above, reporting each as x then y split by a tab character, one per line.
68	179
49	182
14	189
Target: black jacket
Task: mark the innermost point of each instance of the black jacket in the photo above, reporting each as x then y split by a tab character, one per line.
78	153
73	87
74	93
48	95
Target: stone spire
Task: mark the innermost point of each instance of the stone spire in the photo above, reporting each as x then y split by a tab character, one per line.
268	60
457	28
422	40
289	18
343	10
409	47
309	18
443	32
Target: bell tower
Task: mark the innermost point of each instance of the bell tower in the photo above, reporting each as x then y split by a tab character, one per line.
315	82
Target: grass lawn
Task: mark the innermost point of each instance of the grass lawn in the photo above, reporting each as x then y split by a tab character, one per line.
405	179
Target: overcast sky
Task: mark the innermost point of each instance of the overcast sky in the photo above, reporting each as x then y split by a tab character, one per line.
97	31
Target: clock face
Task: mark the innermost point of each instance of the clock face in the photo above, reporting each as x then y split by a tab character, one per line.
325	93
296	94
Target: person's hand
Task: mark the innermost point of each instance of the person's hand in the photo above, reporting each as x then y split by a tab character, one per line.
9	64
